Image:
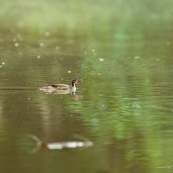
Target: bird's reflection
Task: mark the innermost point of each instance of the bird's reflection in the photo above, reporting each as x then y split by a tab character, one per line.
63	92
76	97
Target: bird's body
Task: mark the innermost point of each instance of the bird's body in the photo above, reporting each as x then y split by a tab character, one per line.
60	88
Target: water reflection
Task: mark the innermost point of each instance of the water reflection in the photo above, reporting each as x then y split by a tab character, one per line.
126	111
73	94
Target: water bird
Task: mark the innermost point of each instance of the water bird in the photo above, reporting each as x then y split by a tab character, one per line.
61	88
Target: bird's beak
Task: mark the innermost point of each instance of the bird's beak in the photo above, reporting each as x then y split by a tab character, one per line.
79	80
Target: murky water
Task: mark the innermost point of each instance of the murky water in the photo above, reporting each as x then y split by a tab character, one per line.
124	105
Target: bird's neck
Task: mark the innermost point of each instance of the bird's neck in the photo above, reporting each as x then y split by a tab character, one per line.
73	84
73	87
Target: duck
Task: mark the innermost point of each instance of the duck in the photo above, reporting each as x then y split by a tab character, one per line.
61	88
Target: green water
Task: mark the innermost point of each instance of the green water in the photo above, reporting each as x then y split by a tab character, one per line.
123	52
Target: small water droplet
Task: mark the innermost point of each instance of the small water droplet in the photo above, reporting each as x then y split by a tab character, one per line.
3	63
47	34
69	71
38	56
41	44
101	59
168	43
16	44
137	57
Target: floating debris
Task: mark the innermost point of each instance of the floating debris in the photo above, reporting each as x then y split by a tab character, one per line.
60	145
38	56
69	71
3	63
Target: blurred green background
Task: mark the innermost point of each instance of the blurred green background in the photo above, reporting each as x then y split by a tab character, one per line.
85	16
